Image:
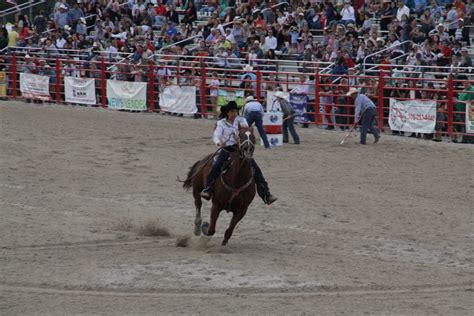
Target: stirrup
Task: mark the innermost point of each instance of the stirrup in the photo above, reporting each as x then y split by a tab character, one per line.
206	193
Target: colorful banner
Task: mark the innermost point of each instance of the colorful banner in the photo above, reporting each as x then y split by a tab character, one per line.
224	96
126	95
3	84
298	102
34	86
470	117
412	116
79	90
178	99
273	106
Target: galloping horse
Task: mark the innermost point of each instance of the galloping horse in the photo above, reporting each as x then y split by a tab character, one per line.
233	191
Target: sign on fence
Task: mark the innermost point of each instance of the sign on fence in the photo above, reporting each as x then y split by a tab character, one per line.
178	99
34	86
412	116
3	84
224	96
79	90
298	102
126	95
470	117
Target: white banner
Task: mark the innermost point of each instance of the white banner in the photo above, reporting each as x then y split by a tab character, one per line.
126	95
412	116
179	99
34	86
470	117
275	107
79	90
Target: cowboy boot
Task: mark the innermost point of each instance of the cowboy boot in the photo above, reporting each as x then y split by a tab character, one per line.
265	194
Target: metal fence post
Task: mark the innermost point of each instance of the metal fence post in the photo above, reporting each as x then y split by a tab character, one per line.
317	113
380	101
103	82
14	74
58	81
203	90
151	84
450	101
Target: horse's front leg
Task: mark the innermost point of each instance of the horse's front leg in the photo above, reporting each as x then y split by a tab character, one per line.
236	217
209	229
197	219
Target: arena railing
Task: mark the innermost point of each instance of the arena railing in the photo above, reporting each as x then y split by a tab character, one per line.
20	7
327	103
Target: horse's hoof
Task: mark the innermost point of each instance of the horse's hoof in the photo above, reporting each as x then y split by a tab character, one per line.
224	242
205	228
197	230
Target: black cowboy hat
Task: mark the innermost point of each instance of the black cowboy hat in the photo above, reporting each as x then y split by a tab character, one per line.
229	107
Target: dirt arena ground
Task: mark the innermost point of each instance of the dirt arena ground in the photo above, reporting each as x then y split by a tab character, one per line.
385	229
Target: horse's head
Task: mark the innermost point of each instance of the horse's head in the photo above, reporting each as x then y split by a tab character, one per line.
246	140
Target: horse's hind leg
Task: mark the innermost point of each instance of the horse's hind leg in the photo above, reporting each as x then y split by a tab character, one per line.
197	219
236	217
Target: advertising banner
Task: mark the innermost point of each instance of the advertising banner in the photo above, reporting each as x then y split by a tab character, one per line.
178	99
34	86
298	102
126	95
412	116
79	90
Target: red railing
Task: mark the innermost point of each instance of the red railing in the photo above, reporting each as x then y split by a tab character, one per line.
327	105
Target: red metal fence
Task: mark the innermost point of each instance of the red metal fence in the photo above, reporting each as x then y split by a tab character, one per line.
327	103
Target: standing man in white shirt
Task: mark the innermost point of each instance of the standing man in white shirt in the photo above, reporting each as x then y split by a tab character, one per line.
270	41
402	10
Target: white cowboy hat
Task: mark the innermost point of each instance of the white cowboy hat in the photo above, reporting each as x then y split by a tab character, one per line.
280	94
352	91
249	98
248	68
62	6
67	27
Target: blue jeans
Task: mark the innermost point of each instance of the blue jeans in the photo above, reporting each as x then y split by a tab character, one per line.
257	117
369	124
222	156
288	124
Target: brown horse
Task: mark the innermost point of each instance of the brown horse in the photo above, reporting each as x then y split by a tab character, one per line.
233	190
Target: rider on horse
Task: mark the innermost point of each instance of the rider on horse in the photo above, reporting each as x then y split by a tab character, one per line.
224	133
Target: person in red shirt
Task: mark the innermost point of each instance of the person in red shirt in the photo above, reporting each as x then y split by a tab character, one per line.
160	9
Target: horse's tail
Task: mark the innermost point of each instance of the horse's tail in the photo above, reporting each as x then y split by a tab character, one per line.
188	183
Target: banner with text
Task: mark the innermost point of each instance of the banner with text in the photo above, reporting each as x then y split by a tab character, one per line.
470	118
126	95
34	86
412	116
79	90
178	99
298	102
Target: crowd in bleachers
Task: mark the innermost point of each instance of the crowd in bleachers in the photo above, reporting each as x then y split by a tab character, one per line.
433	33
405	38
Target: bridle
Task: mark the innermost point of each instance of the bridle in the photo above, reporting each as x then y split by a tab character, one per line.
246	146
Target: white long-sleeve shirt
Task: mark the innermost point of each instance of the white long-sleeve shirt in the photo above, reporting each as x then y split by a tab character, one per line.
225	131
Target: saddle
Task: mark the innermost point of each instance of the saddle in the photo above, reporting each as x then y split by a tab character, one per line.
227	163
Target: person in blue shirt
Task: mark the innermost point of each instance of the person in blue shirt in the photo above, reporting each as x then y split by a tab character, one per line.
223	137
366	111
